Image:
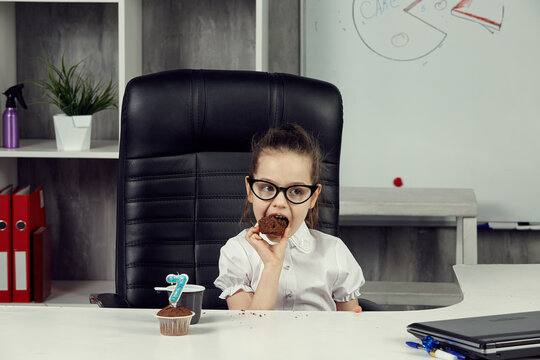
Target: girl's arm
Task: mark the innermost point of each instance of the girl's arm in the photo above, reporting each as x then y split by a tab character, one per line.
265	296
347	305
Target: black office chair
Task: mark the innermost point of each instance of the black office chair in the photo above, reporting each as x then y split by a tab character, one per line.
184	153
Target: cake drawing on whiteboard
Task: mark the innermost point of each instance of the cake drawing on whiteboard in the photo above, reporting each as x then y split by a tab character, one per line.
395	31
413	29
488	13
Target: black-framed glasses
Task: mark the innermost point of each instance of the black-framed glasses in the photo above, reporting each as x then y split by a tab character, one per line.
296	194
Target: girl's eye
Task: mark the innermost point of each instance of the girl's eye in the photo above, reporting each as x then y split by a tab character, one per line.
297	191
264	188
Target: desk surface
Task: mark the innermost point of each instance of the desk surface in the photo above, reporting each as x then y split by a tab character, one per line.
55	332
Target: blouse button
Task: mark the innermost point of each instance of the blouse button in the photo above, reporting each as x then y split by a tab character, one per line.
286	267
289	294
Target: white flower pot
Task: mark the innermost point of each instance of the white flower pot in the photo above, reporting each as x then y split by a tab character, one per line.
72	132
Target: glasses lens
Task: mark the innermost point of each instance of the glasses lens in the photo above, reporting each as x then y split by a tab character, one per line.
264	190
298	194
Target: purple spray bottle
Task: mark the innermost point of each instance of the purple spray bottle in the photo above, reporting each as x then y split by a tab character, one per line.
10	118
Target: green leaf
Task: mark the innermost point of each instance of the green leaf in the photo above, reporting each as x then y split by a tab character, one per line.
73	92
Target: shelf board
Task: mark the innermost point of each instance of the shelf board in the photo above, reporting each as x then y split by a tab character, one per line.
46	148
72	293
63	1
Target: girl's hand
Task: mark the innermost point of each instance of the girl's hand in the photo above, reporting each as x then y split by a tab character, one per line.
270	254
264	297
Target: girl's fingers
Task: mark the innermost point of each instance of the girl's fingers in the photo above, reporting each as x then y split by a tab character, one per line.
252	230
253	235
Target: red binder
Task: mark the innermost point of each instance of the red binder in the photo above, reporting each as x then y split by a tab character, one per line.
41	263
28	213
5	244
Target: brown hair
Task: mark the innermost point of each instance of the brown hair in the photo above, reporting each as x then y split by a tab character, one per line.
288	137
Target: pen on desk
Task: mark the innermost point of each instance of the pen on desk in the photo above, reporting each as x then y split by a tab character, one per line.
436	353
414	345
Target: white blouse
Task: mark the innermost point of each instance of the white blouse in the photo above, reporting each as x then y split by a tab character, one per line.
318	270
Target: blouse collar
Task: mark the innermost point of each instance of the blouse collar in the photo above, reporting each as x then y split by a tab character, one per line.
302	239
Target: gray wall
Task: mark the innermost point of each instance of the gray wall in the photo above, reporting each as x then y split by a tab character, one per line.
203	34
80	195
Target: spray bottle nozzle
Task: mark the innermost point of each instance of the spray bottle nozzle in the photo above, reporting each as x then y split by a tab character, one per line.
15	92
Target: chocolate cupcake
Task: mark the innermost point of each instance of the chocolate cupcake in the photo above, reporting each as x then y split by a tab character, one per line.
273	225
174	321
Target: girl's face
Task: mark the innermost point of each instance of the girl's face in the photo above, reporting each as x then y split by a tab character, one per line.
283	169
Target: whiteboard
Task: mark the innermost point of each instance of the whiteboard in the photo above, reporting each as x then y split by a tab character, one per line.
443	94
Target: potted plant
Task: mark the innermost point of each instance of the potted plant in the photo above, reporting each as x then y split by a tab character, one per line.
78	97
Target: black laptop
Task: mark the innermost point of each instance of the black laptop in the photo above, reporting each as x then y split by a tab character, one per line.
505	336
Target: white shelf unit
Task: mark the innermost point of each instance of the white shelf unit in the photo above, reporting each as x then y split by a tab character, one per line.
129	66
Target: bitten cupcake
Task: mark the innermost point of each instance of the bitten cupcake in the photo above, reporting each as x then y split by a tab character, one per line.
273	225
174	321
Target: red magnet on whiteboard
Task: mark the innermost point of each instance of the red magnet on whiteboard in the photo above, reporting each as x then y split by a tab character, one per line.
398	182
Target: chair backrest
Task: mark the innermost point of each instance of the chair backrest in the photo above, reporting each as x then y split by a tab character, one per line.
184	153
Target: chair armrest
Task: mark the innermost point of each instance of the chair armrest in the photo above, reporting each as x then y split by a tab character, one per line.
108	300
368	305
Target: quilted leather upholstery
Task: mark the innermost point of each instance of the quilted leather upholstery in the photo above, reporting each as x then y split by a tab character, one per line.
184	153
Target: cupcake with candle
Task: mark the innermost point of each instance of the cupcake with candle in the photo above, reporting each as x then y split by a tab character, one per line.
174	320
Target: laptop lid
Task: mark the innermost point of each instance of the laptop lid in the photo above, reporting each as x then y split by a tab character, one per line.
501	336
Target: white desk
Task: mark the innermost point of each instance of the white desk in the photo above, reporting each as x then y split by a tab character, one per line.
415	202
39	332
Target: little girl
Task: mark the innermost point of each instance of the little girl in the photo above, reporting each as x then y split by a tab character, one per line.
306	269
